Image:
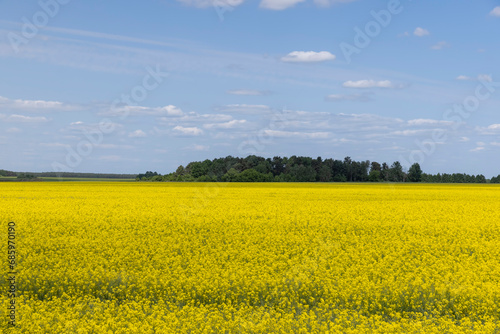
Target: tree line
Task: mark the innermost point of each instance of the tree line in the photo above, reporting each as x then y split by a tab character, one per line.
6	173
303	169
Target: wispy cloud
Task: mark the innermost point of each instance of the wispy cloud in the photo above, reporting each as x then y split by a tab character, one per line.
137	134
279	4
478	149
485	77
326	3
495	11
244	108
169	110
249	92
296	134
425	122
188	131
308	57
226	125
197	147
421	32
14	130
24	119
440	46
347	97
35	105
368	84
210	3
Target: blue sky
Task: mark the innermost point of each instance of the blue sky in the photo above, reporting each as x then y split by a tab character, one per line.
117	86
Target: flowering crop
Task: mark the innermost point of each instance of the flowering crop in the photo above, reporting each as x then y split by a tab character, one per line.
253	258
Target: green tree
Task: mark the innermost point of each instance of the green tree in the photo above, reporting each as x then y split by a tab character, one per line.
396	173
415	173
325	174
230	176
374	176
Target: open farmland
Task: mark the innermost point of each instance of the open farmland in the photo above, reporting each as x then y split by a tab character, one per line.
252	258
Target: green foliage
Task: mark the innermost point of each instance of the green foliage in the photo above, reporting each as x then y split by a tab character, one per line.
7	173
23	176
374	176
303	169
454	178
415	173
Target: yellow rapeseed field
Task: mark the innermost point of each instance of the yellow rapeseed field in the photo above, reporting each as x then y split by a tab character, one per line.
251	258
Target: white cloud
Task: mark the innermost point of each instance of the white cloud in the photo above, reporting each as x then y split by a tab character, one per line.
110	158
197	147
195	119
308	57
137	134
483	77
247	92
494	127
464	139
421	32
423	122
284	4
353	97
368	84
296	134
25	119
279	4
58	145
463	78
440	46
245	108
227	125
125	111
477	149
495	11
214	3
188	131
410	132
114	147
14	130
326	3
35	105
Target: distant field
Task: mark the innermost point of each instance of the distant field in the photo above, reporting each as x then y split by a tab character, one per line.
8	178
75	179
111	257
67	179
